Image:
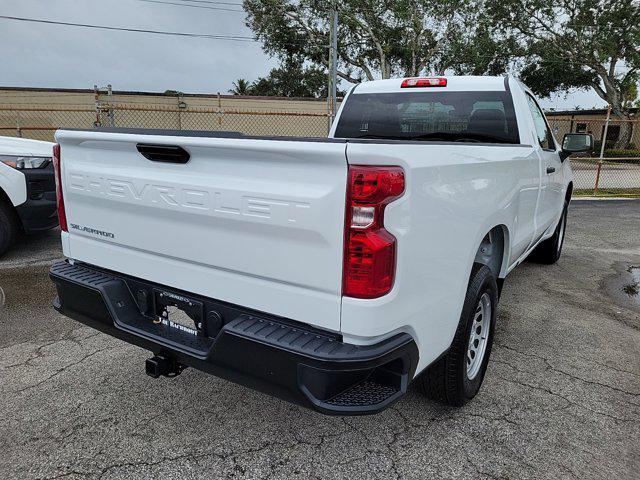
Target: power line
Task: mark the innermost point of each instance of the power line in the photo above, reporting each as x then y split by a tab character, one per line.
135	30
194	6
235	38
213	2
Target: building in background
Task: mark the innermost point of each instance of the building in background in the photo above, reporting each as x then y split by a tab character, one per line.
593	121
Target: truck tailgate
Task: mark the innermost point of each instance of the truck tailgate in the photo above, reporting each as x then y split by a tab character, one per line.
258	223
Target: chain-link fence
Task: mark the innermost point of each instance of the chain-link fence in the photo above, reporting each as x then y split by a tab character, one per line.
41	123
617	173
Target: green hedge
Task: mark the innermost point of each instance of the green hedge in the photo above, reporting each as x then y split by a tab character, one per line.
608	192
629	153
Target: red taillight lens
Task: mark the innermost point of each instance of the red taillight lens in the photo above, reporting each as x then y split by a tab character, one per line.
370	251
424	82
372	185
62	216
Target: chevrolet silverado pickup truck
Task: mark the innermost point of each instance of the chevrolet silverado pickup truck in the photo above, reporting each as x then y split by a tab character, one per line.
329	272
27	189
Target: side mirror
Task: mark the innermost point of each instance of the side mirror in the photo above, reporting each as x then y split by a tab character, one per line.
575	143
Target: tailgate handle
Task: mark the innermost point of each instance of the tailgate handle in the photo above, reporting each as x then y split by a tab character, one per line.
163	153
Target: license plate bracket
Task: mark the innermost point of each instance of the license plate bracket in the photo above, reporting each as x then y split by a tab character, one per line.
179	312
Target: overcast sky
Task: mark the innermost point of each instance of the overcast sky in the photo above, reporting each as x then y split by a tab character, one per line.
39	55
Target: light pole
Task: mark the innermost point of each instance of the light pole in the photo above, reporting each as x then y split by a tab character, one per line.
333	65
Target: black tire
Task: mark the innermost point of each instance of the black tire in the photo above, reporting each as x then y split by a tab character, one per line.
447	380
8	227
549	251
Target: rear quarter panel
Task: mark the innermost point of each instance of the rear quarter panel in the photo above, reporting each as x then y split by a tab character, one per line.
454	195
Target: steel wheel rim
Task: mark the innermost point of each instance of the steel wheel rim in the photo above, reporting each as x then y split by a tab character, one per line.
478	336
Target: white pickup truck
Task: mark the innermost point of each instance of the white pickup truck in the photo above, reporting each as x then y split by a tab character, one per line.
329	272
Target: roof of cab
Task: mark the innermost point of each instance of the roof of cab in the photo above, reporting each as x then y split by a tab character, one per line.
454	83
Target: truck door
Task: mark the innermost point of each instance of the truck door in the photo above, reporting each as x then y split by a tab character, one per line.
550	201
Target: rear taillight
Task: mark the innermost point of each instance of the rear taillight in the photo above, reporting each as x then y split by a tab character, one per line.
62	216
370	251
424	82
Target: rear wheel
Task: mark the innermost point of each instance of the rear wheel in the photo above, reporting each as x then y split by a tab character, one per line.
8	227
549	251
457	376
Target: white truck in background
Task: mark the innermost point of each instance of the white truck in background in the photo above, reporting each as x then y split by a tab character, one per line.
330	272
27	189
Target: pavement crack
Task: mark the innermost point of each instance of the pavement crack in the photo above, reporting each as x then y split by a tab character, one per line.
64	369
548	391
553	368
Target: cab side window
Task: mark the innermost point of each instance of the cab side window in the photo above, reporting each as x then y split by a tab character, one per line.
545	137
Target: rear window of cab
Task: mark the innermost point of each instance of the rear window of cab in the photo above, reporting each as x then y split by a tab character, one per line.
486	117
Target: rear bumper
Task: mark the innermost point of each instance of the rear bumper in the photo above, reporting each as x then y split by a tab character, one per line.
39	212
273	355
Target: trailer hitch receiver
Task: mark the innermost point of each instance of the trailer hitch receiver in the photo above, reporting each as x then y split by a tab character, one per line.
161	365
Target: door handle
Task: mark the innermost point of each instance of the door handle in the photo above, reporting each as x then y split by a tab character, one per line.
550	169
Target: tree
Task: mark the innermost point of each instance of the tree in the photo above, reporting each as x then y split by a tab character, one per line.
240	87
475	49
376	38
577	44
291	79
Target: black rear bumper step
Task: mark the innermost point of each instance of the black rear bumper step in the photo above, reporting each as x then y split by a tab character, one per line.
273	355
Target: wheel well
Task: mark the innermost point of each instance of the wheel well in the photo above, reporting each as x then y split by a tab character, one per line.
5	198
569	192
491	251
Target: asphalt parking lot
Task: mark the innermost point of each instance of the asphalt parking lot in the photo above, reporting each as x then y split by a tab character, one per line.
561	398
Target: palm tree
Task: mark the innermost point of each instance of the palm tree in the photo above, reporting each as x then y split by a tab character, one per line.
241	87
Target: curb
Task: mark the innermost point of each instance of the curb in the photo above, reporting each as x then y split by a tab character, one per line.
608	199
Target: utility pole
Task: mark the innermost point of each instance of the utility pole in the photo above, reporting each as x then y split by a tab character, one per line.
605	130
333	65
100	110
110	115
